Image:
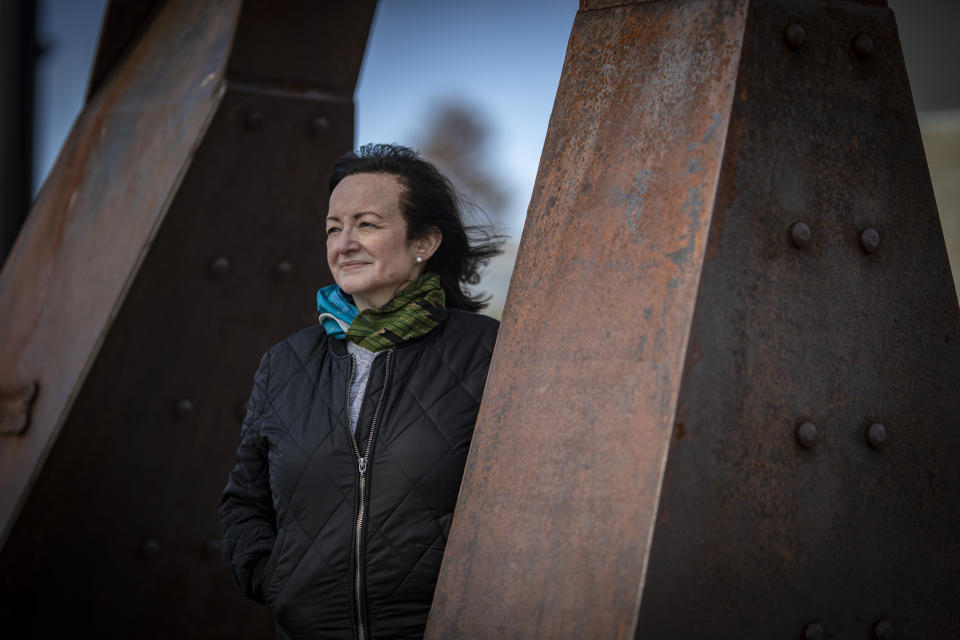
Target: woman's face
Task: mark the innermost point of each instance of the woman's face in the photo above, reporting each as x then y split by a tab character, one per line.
367	248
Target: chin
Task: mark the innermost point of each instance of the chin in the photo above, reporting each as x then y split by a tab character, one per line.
351	285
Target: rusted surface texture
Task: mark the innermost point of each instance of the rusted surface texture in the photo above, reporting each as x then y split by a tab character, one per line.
551	532
305	44
758	536
127	496
96	216
587	5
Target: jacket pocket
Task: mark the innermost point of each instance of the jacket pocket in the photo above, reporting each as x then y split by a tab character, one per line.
270	570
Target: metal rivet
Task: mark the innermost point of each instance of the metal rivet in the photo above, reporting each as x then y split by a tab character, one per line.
253	120
184	409
220	267
283	270
883	630
319	126
149	549
795	36
800	233
241	410
870	239
877	435
863	45
813	632
807	435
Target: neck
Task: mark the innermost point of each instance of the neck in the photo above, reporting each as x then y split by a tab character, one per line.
377	302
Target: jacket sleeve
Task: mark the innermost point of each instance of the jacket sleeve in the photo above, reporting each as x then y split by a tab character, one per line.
247	517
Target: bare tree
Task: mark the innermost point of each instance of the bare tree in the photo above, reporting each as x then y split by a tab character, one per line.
457	138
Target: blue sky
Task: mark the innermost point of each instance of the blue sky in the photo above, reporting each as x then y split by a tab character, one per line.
68	29
504	58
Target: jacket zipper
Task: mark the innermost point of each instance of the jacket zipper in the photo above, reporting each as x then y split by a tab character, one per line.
358	578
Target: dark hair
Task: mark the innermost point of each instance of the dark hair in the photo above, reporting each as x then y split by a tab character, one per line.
430	201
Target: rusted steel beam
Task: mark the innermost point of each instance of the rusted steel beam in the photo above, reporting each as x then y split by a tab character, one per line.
551	533
722	399
176	239
94	220
764	529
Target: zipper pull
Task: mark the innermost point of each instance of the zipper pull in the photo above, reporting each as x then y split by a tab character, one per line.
362	464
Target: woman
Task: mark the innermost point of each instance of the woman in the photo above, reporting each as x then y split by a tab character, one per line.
357	430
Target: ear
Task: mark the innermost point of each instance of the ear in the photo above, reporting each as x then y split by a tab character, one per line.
428	243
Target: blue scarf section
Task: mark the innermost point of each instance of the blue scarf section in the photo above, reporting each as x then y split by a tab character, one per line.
336	311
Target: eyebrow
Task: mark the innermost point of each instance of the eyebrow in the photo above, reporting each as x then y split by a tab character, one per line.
355	215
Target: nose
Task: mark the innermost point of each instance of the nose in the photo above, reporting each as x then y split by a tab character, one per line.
344	241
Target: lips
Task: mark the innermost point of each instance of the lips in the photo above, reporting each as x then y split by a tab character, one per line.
347	266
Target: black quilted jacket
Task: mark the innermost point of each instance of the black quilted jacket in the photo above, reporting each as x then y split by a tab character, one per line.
343	536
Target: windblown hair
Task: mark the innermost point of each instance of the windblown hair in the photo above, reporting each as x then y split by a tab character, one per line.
429	201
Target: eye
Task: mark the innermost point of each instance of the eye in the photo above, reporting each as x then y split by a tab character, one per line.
367	225
332	230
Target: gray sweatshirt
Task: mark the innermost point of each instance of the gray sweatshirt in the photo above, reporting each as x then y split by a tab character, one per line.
363	360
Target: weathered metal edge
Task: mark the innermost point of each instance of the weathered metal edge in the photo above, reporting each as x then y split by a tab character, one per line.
729	112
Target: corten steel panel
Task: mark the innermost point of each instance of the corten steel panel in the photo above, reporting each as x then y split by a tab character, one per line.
118	534
94	220
284	46
758	537
551	534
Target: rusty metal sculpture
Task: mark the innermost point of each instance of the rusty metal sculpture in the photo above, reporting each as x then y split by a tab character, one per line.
176	238
723	402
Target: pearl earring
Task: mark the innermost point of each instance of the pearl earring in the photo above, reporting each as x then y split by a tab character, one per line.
419	259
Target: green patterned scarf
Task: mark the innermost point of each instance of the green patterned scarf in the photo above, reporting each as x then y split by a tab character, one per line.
412	313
